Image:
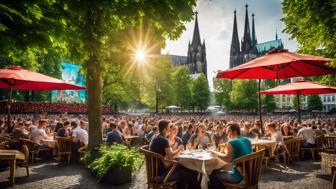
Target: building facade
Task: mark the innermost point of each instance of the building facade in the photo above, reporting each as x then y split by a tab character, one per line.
249	48
195	60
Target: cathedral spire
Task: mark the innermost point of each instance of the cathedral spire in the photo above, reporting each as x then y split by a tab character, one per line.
235	47
254	37
247	43
196	40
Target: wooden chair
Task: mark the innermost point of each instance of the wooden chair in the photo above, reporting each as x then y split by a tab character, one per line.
318	146
268	154
333	174
152	164
293	147
329	144
82	151
25	162
63	148
34	149
250	166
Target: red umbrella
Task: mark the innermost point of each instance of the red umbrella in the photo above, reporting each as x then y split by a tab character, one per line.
301	87
17	78
279	64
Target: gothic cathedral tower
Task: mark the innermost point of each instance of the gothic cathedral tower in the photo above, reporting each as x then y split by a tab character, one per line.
197	62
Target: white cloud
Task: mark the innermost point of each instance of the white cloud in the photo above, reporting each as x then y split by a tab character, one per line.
216	21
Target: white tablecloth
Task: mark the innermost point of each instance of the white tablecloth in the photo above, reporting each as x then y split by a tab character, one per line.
201	161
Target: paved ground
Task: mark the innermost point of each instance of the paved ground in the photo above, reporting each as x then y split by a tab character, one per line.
49	175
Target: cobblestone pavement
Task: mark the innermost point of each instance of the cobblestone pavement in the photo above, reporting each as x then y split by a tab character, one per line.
50	175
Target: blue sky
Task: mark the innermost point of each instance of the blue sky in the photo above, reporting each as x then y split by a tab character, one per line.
216	22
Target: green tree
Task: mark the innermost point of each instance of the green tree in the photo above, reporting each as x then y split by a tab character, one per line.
200	92
222	90
87	32
182	87
158	89
268	101
244	95
97	23
313	24
314	102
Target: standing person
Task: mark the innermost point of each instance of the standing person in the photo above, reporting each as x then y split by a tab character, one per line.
160	145
237	147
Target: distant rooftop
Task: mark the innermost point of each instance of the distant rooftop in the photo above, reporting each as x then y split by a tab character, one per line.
177	59
266	46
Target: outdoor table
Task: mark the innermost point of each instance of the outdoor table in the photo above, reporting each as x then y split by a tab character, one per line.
262	142
50	142
11	156
201	161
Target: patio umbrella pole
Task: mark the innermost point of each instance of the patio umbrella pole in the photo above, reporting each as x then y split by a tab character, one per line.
259	107
298	107
9	128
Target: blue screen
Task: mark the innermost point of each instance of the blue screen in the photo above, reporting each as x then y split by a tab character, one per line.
71	74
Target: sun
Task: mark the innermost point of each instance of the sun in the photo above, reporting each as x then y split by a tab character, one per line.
140	55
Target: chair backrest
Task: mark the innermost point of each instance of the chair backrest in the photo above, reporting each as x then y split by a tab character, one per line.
152	163
319	140
137	142
25	151
329	142
250	166
293	145
30	144
63	144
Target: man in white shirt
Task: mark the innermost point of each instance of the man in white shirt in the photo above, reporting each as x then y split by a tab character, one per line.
79	134
308	134
38	134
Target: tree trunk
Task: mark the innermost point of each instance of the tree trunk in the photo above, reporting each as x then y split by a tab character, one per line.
93	74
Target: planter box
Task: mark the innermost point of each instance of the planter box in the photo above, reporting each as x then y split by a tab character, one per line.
117	176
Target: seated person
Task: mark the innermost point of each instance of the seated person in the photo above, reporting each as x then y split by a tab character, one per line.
248	131
17	134
187	134
286	130
237	147
64	130
201	139
38	134
277	137
114	136
181	175
152	134
219	136
175	142
308	136
78	134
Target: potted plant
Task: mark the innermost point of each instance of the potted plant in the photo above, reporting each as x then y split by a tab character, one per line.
114	163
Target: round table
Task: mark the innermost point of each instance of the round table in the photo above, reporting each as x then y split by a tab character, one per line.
202	162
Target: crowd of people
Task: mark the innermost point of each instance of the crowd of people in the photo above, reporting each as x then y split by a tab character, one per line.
169	135
50	107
